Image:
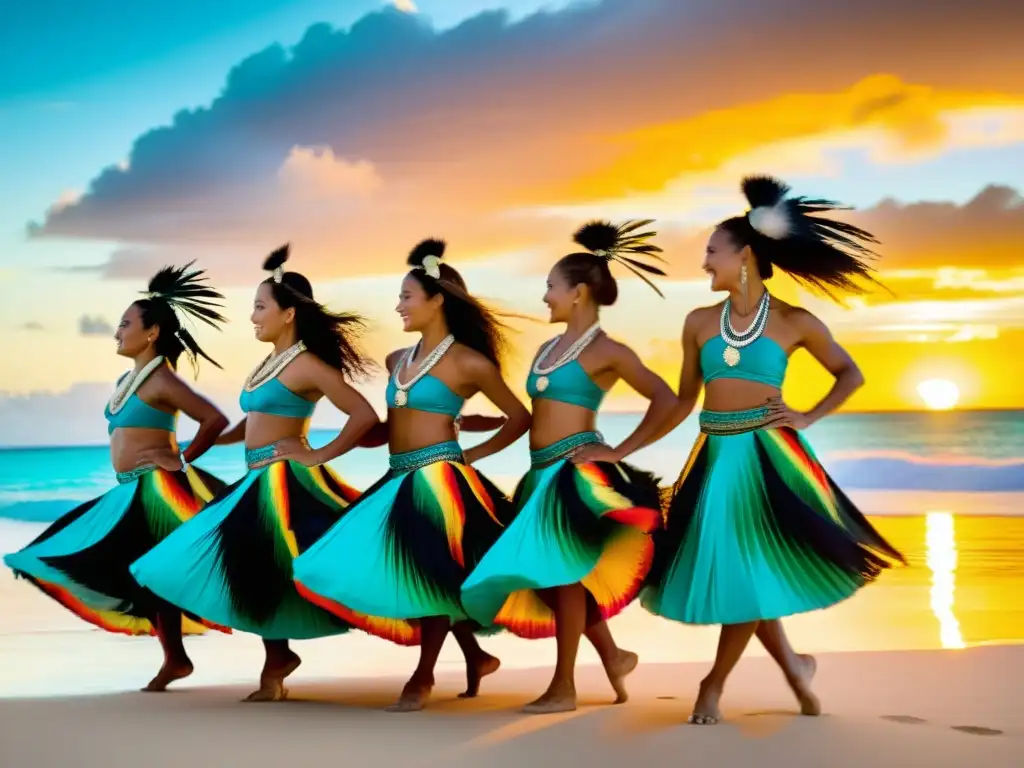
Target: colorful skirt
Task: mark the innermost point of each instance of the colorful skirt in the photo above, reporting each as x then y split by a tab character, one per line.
233	564
83	559
576	523
756	529
403	549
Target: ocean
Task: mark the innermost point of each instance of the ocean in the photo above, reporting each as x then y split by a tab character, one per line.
945	488
886	461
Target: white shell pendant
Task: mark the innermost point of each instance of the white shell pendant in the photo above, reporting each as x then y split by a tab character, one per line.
731	355
401	398
542	383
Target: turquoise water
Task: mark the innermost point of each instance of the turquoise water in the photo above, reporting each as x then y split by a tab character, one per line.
970	452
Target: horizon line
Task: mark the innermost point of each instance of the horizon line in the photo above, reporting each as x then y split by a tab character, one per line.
876	412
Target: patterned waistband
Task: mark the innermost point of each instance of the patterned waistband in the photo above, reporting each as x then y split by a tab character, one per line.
261	455
410	461
135	474
733	422
563	448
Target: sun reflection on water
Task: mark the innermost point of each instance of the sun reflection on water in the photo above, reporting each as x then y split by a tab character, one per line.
940	544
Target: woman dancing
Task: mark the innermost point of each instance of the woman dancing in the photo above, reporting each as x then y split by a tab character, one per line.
234	563
580	545
756	529
82	560
394	564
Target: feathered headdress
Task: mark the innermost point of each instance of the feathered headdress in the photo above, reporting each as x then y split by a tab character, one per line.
623	244
819	251
187	295
274	263
427	257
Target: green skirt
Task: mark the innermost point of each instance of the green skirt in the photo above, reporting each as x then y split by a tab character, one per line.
233	563
756	529
575	523
403	549
83	559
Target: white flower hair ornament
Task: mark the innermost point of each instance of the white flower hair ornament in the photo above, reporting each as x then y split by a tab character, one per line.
426	256
432	266
772	221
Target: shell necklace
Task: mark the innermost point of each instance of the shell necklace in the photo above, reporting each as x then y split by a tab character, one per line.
272	365
573	352
402	390
130	383
734	340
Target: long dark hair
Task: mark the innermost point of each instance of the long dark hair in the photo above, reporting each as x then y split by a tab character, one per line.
606	243
175	290
471	322
821	253
331	336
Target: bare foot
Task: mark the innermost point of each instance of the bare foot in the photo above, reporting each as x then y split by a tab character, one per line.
555	699
618	670
168	673
705	709
801	685
414	697
272	679
269	690
477	670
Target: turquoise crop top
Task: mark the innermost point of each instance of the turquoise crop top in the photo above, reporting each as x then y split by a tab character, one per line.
276	399
568	384
429	394
141	415
763	361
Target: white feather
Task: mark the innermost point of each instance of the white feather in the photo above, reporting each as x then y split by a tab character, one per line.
771	221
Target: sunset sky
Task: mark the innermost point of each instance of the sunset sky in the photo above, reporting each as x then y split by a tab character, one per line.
135	135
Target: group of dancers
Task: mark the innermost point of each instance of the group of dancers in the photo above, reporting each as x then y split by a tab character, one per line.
752	531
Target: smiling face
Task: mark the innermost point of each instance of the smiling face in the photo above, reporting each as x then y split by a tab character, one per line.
724	260
132	337
269	320
560	296
415	307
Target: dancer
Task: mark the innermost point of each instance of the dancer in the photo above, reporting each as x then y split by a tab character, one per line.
580	545
82	560
394	564
756	529
234	563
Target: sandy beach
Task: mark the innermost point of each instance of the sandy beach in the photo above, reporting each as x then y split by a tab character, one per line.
934	708
924	667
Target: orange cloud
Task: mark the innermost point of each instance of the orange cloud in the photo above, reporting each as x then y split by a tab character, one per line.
880	108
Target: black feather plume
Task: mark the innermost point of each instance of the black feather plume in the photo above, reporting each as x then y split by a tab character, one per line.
820	252
277	258
624	244
184	289
429	247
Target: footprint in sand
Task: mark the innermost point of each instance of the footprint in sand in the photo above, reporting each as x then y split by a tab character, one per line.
976	730
904	719
667	698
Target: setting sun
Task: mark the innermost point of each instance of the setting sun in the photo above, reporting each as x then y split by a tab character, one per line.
939	394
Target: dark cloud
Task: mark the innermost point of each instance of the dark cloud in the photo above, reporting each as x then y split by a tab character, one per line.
90	325
464	124
32	325
986	231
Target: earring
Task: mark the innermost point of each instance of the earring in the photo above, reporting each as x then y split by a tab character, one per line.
743	282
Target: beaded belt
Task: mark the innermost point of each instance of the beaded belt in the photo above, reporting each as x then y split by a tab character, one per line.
733	422
563	448
261	455
410	461
135	474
